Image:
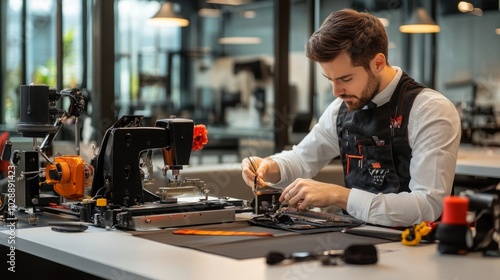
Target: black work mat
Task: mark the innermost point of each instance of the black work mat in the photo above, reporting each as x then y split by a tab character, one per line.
247	247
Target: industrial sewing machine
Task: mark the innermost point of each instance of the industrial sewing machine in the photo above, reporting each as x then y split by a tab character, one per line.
111	190
119	196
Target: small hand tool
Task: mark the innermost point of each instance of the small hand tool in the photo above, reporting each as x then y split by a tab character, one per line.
255	184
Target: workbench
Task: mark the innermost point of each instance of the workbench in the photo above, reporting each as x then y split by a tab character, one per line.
478	161
117	254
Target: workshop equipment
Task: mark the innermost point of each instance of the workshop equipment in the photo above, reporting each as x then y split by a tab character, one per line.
110	192
41	117
71	176
458	235
118	180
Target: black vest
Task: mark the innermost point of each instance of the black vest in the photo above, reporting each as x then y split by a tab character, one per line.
374	146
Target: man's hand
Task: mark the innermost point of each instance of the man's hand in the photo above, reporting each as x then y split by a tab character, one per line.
265	169
303	193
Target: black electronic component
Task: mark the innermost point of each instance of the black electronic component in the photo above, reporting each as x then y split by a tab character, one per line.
35	118
69	226
354	254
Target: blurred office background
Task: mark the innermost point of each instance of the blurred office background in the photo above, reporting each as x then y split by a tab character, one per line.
237	66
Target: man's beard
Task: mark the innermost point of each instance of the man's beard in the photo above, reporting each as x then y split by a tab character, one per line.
370	90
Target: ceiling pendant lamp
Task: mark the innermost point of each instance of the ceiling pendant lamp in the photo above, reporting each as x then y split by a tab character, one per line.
239	40
166	16
420	22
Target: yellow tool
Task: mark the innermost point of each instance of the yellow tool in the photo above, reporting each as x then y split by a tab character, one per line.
414	234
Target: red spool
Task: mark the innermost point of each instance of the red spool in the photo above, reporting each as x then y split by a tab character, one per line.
455	210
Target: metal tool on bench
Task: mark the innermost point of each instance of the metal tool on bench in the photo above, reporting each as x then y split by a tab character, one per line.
119	196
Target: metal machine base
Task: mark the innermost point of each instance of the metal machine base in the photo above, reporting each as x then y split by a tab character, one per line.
154	216
155	222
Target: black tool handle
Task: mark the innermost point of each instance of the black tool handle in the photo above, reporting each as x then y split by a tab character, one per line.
69	226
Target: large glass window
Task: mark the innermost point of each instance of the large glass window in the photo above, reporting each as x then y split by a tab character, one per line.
143	52
72	43
12	57
41	42
219	69
31	51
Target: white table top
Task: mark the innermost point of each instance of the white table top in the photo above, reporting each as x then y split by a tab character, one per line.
478	161
118	255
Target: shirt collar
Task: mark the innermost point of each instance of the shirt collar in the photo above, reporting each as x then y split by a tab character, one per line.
385	95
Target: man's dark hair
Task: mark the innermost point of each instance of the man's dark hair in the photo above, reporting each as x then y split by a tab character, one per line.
359	35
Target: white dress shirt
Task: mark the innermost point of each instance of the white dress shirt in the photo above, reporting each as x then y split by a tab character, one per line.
434	132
